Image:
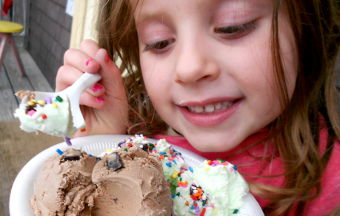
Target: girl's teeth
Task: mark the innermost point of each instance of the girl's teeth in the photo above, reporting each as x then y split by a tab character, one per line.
210	108
218	106
197	109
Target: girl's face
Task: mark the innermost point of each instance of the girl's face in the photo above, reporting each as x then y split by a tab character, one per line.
208	69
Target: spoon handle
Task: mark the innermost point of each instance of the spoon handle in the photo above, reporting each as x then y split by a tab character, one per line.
84	81
73	93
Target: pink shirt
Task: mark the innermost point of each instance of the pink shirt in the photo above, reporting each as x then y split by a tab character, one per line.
248	165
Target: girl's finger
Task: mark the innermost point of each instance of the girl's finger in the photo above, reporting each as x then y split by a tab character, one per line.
89	47
89	100
111	76
66	75
81	61
96	90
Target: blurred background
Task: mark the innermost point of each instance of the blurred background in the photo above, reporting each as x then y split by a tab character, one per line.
41	31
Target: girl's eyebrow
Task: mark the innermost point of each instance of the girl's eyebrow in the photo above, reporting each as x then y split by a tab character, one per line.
143	15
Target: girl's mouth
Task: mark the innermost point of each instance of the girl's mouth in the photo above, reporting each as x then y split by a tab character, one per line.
209	114
211	108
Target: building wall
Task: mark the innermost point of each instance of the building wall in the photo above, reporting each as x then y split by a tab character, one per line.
48	36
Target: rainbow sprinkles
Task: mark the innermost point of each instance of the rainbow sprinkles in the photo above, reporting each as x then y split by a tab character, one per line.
213	188
50	115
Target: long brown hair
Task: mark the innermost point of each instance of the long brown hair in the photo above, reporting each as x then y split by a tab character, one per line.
295	133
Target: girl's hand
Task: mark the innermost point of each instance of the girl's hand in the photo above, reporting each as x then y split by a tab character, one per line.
104	105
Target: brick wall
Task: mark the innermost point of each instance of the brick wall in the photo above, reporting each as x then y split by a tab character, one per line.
48	36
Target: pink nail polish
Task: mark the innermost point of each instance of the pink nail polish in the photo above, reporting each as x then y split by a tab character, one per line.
100	99
107	58
88	61
96	87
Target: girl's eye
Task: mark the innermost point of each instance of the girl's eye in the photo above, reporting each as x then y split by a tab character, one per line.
160	45
233	32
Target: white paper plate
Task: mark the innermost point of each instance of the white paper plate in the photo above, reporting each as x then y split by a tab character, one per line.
22	188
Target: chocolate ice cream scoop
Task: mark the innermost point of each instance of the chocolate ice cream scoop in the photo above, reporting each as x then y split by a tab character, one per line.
64	185
137	188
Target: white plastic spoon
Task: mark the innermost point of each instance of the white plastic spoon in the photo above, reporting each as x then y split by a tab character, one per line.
72	93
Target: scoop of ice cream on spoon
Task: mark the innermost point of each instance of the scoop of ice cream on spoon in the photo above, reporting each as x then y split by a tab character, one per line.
54	113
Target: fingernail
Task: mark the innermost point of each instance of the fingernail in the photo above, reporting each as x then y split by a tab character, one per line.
88	61
96	87
107	58
100	99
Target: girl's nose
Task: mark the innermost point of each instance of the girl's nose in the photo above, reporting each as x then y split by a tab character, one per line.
194	63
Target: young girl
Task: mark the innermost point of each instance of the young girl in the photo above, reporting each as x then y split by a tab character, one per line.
248	81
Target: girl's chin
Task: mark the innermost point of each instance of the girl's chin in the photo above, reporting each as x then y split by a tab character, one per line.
212	145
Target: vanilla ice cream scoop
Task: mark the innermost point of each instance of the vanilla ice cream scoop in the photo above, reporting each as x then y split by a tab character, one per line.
54	113
214	188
